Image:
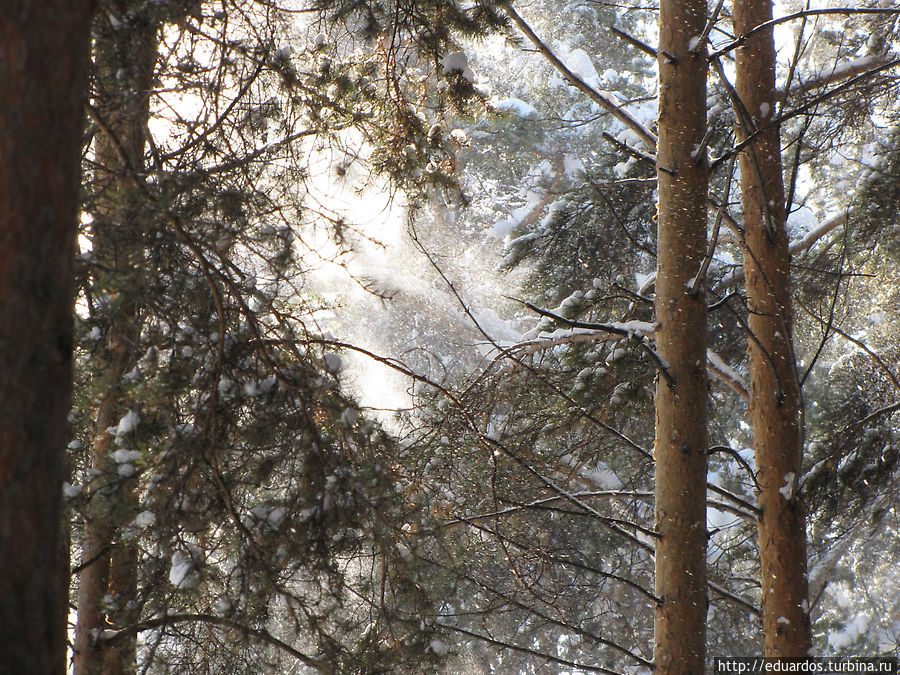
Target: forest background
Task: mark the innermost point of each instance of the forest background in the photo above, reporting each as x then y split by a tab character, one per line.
438	337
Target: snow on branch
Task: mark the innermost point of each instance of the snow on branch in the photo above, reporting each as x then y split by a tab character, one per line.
607	101
816	233
527	216
641	331
726	374
839	72
804	243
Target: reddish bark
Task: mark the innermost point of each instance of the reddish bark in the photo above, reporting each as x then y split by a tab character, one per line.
124	58
775	389
681	397
43	74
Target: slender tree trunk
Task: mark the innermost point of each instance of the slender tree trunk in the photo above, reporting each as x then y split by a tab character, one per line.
125	55
775	391
43	77
681	391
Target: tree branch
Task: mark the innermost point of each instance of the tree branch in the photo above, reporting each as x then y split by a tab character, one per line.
605	100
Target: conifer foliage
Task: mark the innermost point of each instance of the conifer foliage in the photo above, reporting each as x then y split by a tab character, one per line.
671	436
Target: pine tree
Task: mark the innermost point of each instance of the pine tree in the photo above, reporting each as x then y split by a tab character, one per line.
125	56
43	78
681	326
775	386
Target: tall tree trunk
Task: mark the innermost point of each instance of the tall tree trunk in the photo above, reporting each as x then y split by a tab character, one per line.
681	390
125	55
775	390
43	78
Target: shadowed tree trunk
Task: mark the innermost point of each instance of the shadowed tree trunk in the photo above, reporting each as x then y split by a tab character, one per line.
681	391
43	73
124	56
775	390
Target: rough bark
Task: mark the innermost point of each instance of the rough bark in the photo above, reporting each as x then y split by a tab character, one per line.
681	392
124	57
43	72
775	391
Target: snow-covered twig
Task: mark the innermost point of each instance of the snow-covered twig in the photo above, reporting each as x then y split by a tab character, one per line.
604	99
805	107
726	374
634	42
733	597
628	150
797	245
807	240
635	330
641	331
825	566
839	72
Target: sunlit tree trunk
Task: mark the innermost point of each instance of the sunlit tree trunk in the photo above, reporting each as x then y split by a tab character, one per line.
43	72
775	391
681	390
124	55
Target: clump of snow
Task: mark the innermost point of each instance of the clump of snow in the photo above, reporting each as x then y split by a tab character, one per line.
632	328
581	65
144	519
787	491
572	166
183	573
841	639
261	387
127	424
222	607
641	280
93	335
122	456
458	62
71	491
460	137
455	61
603	478
349	417
333	362
514	105
438	647
504	228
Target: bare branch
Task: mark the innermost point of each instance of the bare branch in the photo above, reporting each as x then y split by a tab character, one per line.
527	650
799	15
634	42
859	343
108	638
839	72
714	240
